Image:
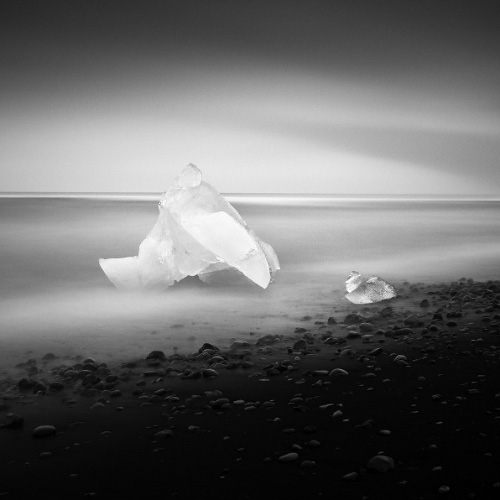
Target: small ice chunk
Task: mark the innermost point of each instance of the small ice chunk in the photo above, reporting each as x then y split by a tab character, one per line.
190	177
198	233
353	281
367	291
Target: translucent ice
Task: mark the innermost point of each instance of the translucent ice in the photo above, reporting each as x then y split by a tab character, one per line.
197	233
367	291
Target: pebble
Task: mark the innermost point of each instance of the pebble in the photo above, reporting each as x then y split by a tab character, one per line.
351	476
12	421
289	457
219	403
338	371
444	489
300	345
240	344
158	355
365	327
308	464
164	434
43	431
380	463
314	443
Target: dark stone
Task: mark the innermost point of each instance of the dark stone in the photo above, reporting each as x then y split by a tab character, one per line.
425	303
352	319
411	320
158	355
206	346
25	384
300	345
365	327
218	403
39	387
353	335
401	331
12	421
240	344
331	321
43	431
386	312
49	356
268	339
89	367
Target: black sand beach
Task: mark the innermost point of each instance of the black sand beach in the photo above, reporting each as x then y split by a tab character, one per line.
414	379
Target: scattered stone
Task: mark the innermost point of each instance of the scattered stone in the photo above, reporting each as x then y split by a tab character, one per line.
365	327
380	463
351	476
208	346
338	372
157	355
25	384
289	457
352	319
164	434
268	340
308	464
12	421
43	431
220	403
353	335
300	345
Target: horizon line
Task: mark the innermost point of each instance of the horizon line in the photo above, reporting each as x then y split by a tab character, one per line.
247	197
234	193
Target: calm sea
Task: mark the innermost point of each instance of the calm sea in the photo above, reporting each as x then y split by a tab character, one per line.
54	296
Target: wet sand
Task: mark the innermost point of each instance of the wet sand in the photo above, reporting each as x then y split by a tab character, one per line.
299	415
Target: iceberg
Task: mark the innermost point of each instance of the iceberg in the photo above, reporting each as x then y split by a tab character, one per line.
197	233
367	291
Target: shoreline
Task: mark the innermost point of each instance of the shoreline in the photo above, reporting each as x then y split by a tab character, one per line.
304	412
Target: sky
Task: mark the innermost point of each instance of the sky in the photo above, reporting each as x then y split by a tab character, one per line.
313	96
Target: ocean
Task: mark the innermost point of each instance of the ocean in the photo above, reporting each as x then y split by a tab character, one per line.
54	297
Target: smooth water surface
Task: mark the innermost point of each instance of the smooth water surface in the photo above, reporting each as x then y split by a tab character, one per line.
54	296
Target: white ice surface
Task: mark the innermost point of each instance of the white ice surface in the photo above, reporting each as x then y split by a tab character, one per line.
367	291
197	233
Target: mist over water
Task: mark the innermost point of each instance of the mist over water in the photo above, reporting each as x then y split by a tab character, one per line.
54	296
